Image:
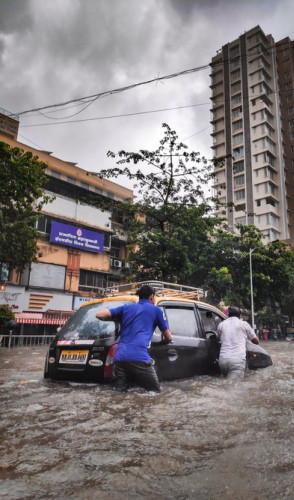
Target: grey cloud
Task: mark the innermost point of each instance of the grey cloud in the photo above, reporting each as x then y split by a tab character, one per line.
15	16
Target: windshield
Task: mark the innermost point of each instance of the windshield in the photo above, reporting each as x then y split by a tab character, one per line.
84	324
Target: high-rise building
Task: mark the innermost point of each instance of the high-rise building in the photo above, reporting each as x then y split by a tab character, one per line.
253	121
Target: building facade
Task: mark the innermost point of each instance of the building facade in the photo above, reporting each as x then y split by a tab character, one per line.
252	109
83	248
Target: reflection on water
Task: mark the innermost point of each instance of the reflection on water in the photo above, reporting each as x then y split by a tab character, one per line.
204	438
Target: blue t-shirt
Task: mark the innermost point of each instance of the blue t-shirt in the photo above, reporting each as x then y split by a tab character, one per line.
138	322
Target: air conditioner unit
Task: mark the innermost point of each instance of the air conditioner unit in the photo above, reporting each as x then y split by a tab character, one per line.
127	264
116	263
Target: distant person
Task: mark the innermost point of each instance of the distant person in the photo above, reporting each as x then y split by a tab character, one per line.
132	362
233	334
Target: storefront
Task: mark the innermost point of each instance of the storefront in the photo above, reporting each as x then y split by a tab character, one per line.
45	323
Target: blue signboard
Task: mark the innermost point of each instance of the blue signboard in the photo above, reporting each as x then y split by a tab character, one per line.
76	237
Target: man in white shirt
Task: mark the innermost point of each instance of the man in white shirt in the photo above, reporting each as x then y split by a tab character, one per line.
233	334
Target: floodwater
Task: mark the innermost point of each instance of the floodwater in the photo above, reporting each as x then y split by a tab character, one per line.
204	438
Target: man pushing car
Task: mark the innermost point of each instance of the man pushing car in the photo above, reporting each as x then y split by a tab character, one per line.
132	362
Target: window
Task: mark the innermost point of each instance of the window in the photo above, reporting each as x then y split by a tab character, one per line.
269	173
289	98
91	281
240	180
238	166
182	321
236	112
236	99
4	272
237	139
270	201
291	110
240	220
270	188
239	195
234	51
237	125
236	62
268	158
115	250
291	123
210	319
85	185
55	173
272	219
84	323
258	203
43	224
235	87
70	179
238	152
287	75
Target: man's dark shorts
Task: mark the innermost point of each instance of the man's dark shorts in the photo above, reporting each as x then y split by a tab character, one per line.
130	373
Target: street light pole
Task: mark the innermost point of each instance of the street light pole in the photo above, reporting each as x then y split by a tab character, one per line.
251	250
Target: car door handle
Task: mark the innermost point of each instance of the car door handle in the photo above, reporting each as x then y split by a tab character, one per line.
172	354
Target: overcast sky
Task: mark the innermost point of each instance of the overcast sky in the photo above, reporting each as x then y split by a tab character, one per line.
59	50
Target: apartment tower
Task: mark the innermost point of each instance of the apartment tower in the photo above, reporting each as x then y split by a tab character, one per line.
252	117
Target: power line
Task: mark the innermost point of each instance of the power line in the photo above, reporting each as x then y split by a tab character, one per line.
108	117
116	116
92	98
116	91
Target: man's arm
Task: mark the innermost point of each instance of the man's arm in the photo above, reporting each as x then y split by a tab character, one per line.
255	341
168	336
104	315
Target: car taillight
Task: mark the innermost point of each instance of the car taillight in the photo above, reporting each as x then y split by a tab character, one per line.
108	367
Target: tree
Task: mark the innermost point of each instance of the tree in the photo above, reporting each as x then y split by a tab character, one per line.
218	285
6	315
272	267
169	226
22	182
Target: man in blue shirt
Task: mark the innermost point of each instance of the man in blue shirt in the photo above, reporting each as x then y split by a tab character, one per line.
132	363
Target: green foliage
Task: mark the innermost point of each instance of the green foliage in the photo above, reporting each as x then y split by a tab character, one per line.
169	227
22	182
6	314
272	267
218	285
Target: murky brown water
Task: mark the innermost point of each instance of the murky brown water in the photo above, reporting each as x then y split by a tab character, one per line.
203	438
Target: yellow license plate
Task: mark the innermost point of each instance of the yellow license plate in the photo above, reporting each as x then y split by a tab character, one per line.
74	357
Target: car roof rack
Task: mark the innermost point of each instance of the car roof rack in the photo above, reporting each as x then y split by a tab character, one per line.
161	288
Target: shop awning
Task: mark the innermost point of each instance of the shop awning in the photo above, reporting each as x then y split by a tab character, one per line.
48	318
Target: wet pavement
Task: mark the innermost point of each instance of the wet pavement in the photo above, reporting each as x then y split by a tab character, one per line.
204	438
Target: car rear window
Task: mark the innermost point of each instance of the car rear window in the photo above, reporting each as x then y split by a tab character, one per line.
84	324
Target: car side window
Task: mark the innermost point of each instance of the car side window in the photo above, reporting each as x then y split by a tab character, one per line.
210	319
182	321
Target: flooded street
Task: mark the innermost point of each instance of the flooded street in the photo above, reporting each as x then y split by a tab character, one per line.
203	438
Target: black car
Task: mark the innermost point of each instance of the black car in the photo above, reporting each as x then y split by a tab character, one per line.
85	347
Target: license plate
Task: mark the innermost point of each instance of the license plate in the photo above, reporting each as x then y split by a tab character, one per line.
74	357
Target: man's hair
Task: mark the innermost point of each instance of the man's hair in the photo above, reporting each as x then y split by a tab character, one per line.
234	311
145	291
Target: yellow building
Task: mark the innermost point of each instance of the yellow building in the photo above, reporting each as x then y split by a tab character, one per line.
83	250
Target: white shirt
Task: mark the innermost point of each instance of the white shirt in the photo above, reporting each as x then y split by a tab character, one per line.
233	334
